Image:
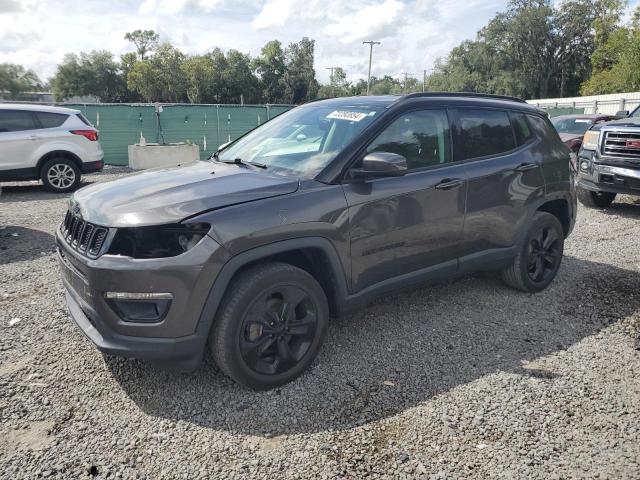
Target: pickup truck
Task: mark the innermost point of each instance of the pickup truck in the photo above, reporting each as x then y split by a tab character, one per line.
609	161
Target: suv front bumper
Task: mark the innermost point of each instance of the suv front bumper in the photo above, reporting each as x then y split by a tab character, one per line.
179	338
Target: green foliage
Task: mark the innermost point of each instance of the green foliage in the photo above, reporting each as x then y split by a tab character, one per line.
616	64
535	49
270	67
15	79
299	79
160	78
95	73
146	41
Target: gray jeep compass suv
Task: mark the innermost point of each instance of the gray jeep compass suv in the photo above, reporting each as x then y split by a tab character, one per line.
312	214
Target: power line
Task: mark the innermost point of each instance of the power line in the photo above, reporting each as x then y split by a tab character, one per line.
371	43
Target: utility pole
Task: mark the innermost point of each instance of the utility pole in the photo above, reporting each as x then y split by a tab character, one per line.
333	92
424	80
371	44
406	77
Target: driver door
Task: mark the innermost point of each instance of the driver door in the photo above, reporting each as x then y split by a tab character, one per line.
410	224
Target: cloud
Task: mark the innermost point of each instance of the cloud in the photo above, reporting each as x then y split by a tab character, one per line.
274	13
7	6
172	7
371	21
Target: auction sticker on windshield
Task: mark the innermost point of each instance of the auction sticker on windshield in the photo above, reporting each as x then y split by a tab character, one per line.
346	115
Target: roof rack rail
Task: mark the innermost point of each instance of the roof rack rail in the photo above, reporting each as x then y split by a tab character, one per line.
463	94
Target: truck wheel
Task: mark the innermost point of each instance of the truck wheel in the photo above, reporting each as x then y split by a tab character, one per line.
595	199
270	326
539	257
60	175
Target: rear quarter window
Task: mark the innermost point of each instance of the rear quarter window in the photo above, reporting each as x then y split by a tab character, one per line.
542	127
84	120
485	132
16	120
51	120
521	128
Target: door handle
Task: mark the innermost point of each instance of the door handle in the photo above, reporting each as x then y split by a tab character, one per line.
525	167
35	137
449	183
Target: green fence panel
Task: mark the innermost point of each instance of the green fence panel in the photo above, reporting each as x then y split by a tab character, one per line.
207	126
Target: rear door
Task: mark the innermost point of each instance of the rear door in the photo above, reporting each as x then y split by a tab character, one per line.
504	177
401	225
18	139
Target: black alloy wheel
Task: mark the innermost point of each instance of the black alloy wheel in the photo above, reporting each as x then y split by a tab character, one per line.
270	325
278	330
539	257
543	254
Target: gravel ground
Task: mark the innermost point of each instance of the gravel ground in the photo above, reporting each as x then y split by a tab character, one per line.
469	379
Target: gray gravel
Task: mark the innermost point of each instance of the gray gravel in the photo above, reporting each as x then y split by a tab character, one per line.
469	379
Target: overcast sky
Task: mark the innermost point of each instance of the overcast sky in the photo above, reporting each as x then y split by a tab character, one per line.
37	33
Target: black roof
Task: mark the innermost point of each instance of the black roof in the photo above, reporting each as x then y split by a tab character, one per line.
384	101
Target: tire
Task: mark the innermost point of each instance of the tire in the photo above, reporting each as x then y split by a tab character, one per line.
595	199
265	354
60	175
540	255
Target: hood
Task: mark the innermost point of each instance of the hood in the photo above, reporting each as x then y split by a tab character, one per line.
621	122
169	195
567	137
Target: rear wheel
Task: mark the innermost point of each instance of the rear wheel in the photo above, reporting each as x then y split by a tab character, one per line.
539	257
595	199
60	175
270	326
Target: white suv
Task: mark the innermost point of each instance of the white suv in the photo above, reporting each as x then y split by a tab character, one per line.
53	144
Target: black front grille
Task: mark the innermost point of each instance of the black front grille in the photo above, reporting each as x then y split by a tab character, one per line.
82	235
621	144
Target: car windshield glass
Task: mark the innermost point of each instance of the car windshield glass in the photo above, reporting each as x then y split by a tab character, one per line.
577	126
302	141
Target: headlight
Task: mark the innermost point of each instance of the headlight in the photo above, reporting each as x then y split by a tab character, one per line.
157	241
591	140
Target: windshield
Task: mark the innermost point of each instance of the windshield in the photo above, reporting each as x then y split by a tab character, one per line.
576	126
302	141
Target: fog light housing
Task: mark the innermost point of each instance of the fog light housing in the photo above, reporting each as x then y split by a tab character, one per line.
139	307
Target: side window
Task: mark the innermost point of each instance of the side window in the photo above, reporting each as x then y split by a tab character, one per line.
51	120
422	137
521	128
485	132
542	127
16	120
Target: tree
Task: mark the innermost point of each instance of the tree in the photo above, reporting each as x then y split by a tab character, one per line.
95	73
199	71
161	77
300	78
616	64
241	83
15	79
534	50
270	67
146	41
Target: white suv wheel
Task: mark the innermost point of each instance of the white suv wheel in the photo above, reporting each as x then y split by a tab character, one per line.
61	176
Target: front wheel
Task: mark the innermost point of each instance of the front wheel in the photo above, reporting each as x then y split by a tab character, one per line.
60	175
270	326
540	255
595	199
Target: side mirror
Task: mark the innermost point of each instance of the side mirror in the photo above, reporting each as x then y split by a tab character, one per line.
622	113
380	165
301	137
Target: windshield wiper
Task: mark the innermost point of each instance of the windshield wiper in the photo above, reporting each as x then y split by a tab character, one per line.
239	161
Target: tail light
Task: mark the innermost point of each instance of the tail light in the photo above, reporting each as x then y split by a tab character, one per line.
91	135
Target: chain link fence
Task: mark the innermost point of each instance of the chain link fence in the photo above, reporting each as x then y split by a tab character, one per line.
602	104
